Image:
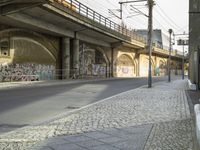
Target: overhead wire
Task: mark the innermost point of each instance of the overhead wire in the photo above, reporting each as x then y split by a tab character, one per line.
103	8
160	24
166	21
134	15
165	15
110	3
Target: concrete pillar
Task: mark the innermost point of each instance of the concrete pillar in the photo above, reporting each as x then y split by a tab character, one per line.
112	63
65	57
138	65
192	66
76	56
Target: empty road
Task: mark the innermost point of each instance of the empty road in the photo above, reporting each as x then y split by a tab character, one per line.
30	105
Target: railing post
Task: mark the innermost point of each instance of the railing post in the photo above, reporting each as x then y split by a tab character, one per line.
79	8
87	11
71	4
100	19
93	15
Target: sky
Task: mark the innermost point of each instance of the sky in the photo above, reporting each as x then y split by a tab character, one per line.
167	14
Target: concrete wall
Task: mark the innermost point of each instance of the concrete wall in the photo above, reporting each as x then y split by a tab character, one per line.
194	40
31	56
159	65
36	56
124	62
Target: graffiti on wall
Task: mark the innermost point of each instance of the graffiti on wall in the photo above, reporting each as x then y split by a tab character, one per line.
99	69
92	62
26	72
124	71
124	66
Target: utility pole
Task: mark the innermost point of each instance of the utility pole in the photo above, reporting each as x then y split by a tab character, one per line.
169	60
183	43
150	4
150	24
183	63
120	10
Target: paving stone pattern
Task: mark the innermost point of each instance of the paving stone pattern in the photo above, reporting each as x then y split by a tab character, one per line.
152	119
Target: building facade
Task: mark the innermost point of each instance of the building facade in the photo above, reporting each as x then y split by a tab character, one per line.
159	39
194	41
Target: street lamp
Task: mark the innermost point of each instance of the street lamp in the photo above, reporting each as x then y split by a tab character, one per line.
170	49
183	74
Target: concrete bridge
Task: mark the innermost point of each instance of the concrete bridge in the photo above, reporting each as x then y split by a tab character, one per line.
50	39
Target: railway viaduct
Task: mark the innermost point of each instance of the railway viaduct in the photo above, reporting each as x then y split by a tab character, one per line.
56	39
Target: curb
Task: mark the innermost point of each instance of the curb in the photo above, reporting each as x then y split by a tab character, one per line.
84	107
197	125
59	116
14	85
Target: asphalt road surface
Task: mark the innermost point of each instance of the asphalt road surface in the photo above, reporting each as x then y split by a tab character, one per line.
24	106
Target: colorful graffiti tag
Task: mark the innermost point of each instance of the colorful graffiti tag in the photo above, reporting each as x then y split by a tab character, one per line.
124	71
26	72
99	69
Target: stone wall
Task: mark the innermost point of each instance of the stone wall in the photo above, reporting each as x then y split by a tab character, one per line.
26	72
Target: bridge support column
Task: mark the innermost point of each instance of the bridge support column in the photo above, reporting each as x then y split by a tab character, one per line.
76	57
111	62
138	66
65	57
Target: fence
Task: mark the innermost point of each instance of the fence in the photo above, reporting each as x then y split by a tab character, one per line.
95	16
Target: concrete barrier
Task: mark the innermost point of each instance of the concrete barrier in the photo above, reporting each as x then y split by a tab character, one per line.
197	125
192	86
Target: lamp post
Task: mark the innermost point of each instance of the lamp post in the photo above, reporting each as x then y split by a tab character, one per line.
169	60
183	64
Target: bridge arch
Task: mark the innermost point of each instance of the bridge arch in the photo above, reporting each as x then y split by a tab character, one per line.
29	56
144	66
34	36
162	65
94	62
125	66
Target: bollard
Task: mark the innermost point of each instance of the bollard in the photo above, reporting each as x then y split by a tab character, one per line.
197	125
192	86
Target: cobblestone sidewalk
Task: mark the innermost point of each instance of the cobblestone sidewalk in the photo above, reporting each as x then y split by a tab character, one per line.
143	118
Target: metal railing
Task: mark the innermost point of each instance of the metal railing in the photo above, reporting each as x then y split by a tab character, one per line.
95	16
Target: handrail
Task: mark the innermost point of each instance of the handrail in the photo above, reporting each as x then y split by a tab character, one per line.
95	16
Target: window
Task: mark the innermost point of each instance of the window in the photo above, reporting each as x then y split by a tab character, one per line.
4	48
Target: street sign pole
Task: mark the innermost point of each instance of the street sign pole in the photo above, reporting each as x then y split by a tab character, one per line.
170	50
183	64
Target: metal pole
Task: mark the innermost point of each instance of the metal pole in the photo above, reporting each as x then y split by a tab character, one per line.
169	60
150	22
183	64
120	11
